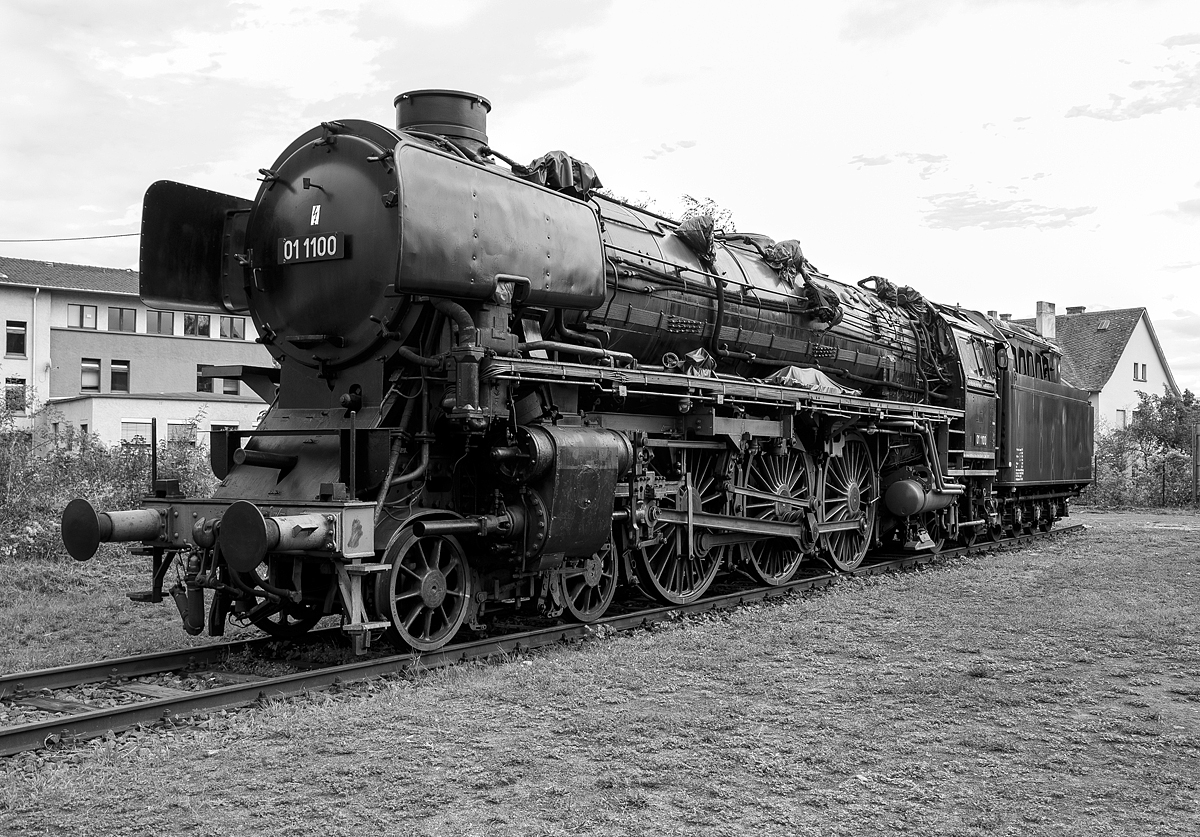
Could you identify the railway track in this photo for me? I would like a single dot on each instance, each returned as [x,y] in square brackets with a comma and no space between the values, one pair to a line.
[210,687]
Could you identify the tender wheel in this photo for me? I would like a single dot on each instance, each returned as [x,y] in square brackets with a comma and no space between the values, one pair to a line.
[668,570]
[282,619]
[1046,517]
[428,591]
[849,491]
[775,560]
[586,588]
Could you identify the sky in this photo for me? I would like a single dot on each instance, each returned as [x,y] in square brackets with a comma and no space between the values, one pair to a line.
[990,153]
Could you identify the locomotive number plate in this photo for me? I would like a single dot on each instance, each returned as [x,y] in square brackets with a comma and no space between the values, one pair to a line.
[312,248]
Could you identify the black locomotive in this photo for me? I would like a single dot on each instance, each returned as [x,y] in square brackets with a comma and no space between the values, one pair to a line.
[497,388]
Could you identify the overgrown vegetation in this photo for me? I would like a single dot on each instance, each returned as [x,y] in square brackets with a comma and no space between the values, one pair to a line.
[42,471]
[1148,463]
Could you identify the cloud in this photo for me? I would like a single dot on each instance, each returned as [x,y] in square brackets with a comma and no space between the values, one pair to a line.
[1179,89]
[1181,266]
[1182,40]
[885,19]
[960,210]
[669,148]
[930,164]
[870,161]
[1188,209]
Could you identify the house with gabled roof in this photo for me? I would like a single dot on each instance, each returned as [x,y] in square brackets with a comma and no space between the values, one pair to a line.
[1113,354]
[79,341]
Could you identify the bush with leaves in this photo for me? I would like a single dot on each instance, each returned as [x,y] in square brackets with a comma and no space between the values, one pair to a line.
[1148,463]
[40,473]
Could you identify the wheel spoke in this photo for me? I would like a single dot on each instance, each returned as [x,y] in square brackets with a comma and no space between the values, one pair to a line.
[850,493]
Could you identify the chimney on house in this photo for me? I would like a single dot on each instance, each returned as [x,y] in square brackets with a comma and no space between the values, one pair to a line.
[1076,309]
[1005,317]
[991,315]
[1045,319]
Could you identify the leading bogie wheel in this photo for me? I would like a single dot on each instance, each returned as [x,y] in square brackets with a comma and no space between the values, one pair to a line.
[848,493]
[281,618]
[427,593]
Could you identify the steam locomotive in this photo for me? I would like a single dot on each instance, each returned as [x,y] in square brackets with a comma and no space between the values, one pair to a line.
[497,388]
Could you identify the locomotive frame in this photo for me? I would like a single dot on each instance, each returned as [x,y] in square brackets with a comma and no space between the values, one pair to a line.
[498,389]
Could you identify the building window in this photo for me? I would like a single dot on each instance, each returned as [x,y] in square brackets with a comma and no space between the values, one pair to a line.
[231,386]
[233,328]
[196,325]
[160,322]
[14,394]
[122,319]
[181,432]
[1122,421]
[135,432]
[202,384]
[1143,371]
[91,374]
[81,316]
[14,343]
[119,376]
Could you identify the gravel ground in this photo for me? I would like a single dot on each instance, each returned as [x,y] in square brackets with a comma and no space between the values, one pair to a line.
[1050,691]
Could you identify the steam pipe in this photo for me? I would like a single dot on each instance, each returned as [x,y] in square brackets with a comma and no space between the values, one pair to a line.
[398,443]
[460,315]
[420,360]
[575,349]
[418,471]
[572,336]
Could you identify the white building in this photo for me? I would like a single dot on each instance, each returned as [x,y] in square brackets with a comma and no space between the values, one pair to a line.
[82,349]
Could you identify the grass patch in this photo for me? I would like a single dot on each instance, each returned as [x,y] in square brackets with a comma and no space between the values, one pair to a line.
[1050,691]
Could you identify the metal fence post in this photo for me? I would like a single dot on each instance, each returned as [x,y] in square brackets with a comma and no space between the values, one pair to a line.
[1196,464]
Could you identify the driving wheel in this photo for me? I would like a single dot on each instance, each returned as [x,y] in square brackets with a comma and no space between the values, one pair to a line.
[849,492]
[788,477]
[670,569]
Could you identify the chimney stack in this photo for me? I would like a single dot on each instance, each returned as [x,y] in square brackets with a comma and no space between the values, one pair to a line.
[991,315]
[1045,319]
[1076,309]
[1005,317]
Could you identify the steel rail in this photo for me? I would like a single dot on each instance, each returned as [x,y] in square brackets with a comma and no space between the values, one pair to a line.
[157,662]
[92,724]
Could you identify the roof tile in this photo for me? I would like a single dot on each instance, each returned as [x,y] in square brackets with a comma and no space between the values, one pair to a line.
[1089,354]
[68,276]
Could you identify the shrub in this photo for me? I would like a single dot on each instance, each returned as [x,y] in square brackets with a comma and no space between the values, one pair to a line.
[1129,473]
[40,474]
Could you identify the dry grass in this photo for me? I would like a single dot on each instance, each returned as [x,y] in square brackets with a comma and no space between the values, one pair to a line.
[54,612]
[1051,691]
